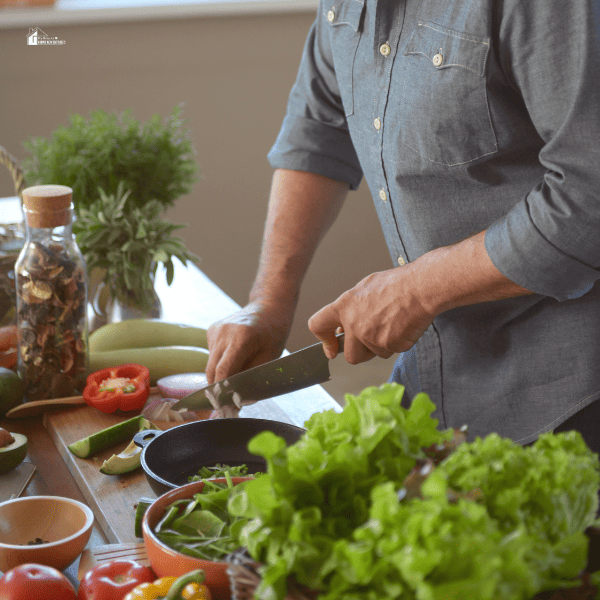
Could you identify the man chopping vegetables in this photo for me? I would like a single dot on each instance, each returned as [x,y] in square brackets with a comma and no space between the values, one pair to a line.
[476,125]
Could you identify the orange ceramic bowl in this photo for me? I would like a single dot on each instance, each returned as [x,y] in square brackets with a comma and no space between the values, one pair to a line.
[63,524]
[167,562]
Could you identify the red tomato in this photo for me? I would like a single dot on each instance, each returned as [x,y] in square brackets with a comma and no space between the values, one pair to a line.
[8,346]
[8,337]
[112,580]
[29,581]
[8,358]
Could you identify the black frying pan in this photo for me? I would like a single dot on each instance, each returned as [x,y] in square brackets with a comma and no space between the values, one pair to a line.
[170,457]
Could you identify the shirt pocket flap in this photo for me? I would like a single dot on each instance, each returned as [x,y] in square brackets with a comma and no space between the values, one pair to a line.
[348,12]
[446,47]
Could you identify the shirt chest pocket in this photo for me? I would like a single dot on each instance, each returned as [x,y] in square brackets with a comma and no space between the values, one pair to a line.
[444,102]
[345,21]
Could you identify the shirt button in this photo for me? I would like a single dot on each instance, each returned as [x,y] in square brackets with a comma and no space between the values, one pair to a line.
[385,49]
[331,16]
[437,60]
[377,123]
[401,261]
[383,195]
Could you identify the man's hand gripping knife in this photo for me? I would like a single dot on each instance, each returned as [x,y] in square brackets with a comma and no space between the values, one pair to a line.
[388,312]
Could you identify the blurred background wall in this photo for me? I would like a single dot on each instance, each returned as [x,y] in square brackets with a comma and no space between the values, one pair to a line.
[234,74]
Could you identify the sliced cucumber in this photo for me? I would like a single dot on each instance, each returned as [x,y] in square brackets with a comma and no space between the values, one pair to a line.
[110,436]
[145,333]
[140,510]
[160,360]
[124,462]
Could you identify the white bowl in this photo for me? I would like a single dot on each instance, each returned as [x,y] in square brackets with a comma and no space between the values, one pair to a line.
[64,525]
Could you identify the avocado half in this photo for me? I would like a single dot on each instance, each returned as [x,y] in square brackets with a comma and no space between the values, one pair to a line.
[14,454]
[125,462]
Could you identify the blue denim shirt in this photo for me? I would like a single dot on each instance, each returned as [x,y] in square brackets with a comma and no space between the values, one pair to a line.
[465,115]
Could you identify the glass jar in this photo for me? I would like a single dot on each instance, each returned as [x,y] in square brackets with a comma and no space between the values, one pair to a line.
[51,291]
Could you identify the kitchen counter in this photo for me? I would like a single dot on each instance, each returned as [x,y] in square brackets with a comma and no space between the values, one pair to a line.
[192,299]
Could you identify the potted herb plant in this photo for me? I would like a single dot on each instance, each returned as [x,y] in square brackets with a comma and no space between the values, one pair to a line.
[155,160]
[128,242]
[124,175]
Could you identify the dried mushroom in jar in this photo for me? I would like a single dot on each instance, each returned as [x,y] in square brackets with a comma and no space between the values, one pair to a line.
[51,298]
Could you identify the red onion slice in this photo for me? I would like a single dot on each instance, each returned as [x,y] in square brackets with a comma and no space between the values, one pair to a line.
[179,386]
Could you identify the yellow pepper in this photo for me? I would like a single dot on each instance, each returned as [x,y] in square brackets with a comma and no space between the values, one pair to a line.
[151,591]
[195,591]
[189,587]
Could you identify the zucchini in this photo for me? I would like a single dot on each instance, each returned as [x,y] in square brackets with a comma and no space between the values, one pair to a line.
[110,436]
[145,333]
[140,509]
[160,360]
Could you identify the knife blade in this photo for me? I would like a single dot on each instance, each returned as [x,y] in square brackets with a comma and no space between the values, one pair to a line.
[290,373]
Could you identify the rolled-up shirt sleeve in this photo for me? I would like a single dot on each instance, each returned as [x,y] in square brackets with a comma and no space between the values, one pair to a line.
[314,136]
[549,242]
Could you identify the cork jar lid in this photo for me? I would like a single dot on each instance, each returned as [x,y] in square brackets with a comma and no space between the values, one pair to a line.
[47,205]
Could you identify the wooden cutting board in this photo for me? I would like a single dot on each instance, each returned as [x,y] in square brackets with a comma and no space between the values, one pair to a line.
[111,497]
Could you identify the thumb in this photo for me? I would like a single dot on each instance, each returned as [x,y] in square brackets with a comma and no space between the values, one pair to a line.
[323,324]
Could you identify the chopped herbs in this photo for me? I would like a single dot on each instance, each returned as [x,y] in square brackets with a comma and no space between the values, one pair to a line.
[220,471]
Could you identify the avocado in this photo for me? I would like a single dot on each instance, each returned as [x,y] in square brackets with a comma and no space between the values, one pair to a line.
[13,454]
[12,389]
[124,462]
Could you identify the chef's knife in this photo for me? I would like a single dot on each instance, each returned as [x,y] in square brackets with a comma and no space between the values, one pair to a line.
[290,373]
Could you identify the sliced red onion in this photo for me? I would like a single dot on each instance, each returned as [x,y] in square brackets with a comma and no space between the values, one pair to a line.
[211,398]
[225,412]
[237,400]
[160,409]
[179,386]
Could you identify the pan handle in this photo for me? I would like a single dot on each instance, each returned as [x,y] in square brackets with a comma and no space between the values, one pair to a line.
[143,438]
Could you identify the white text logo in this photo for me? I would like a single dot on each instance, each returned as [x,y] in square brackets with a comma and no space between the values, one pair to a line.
[36,37]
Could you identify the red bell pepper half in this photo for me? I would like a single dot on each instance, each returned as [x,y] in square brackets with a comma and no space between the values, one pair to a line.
[126,387]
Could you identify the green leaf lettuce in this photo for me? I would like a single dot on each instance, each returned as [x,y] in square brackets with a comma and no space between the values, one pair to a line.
[318,490]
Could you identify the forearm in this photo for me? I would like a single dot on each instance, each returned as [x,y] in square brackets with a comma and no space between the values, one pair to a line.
[302,207]
[387,312]
[459,275]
